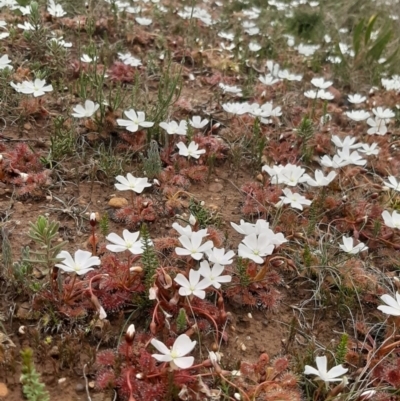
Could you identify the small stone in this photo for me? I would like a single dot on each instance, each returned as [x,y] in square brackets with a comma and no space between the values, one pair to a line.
[213,207]
[54,351]
[79,388]
[27,126]
[215,187]
[91,384]
[3,390]
[62,380]
[118,203]
[260,177]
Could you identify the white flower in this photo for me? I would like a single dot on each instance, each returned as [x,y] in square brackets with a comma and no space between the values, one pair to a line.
[129,242]
[85,58]
[383,114]
[231,89]
[190,151]
[378,126]
[213,275]
[254,47]
[369,150]
[348,142]
[4,35]
[260,227]
[143,21]
[173,128]
[320,94]
[356,98]
[255,247]
[192,245]
[289,175]
[346,157]
[5,62]
[357,115]
[392,221]
[268,79]
[322,372]
[135,120]
[320,179]
[348,246]
[198,123]
[61,42]
[295,200]
[26,26]
[217,255]
[131,183]
[37,87]
[82,263]
[55,10]
[236,108]
[187,231]
[193,286]
[394,305]
[393,183]
[320,83]
[85,111]
[176,356]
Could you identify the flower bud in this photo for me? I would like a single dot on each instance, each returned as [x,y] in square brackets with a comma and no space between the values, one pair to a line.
[92,219]
[130,334]
[24,177]
[366,395]
[136,269]
[153,328]
[237,396]
[192,220]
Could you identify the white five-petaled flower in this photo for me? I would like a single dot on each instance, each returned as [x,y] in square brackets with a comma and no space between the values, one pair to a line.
[392,306]
[129,242]
[393,220]
[218,255]
[356,98]
[348,142]
[378,126]
[82,263]
[255,247]
[37,87]
[322,373]
[320,83]
[192,245]
[85,58]
[173,128]
[187,231]
[393,183]
[55,10]
[135,120]
[5,62]
[198,123]
[348,246]
[131,183]
[320,179]
[295,200]
[176,355]
[369,150]
[289,175]
[260,227]
[383,114]
[193,286]
[357,115]
[213,275]
[190,151]
[85,111]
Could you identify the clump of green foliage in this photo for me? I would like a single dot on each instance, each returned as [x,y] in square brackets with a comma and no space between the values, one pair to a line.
[32,387]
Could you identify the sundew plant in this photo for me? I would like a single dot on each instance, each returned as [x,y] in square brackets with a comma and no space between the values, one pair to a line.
[200,200]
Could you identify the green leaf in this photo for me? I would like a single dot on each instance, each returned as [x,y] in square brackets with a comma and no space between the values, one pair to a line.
[377,49]
[357,36]
[370,27]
